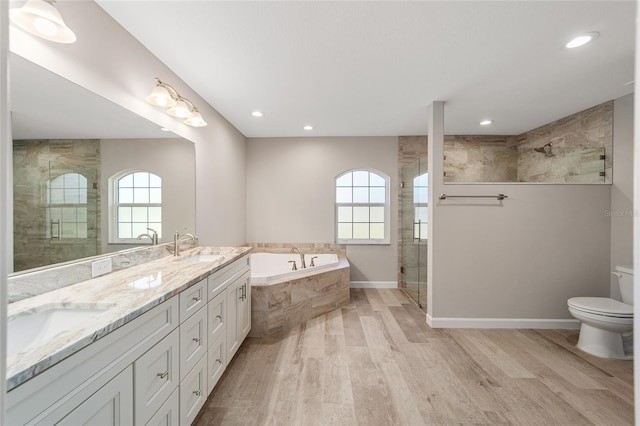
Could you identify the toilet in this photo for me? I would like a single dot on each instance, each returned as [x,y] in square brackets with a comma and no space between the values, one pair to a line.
[604,321]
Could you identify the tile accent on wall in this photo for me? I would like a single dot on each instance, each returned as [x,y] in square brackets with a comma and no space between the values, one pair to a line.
[339,249]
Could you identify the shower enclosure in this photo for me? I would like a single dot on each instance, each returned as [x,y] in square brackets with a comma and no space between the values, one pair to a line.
[414,219]
[56,199]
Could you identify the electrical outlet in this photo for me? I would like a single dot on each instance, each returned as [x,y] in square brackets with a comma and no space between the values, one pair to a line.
[100,267]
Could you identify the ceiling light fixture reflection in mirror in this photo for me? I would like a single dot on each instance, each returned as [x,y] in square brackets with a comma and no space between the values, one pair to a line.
[68,142]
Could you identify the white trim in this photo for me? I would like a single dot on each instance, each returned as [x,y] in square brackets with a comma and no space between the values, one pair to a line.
[567,324]
[373,284]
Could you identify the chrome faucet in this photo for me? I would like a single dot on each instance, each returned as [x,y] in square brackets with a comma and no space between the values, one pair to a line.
[302,262]
[153,236]
[176,241]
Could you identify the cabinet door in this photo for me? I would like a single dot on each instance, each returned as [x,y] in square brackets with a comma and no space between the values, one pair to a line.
[156,376]
[193,341]
[217,322]
[111,405]
[244,310]
[193,392]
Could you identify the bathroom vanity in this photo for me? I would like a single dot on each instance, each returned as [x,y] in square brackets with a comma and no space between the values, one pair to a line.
[145,345]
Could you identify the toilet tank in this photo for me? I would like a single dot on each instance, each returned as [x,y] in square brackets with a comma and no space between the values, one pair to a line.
[625,283]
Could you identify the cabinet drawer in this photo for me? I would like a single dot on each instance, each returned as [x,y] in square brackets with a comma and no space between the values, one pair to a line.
[156,376]
[217,322]
[193,392]
[217,361]
[193,341]
[219,280]
[192,299]
[169,413]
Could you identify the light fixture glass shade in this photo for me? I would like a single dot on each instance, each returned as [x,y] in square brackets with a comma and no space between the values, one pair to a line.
[196,120]
[180,110]
[160,96]
[42,19]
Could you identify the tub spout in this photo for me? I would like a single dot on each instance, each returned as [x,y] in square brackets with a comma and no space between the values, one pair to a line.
[303,265]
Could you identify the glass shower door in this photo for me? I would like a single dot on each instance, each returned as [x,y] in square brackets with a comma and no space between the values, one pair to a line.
[414,212]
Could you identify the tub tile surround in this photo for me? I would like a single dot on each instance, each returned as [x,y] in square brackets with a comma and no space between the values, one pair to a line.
[124,294]
[280,305]
[25,284]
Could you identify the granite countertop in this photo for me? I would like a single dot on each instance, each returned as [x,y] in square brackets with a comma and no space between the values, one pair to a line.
[120,296]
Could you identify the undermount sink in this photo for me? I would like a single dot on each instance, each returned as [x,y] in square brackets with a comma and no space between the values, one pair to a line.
[41,325]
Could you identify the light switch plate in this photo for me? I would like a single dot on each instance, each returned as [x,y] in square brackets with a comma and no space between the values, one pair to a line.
[101,267]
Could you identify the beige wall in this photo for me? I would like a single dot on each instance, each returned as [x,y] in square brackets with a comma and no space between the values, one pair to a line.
[171,159]
[522,258]
[622,188]
[290,194]
[120,69]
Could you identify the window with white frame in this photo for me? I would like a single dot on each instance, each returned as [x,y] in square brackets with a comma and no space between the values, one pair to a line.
[66,208]
[362,207]
[420,206]
[136,204]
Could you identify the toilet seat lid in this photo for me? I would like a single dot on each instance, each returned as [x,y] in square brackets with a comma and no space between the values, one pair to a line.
[602,306]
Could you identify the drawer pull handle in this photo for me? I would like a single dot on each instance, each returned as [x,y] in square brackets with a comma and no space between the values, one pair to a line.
[219,317]
[163,375]
[197,299]
[196,339]
[197,393]
[219,361]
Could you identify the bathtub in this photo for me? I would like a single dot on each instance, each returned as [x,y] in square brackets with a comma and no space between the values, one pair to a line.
[275,266]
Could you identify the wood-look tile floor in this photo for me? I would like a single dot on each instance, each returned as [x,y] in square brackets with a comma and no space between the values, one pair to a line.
[376,362]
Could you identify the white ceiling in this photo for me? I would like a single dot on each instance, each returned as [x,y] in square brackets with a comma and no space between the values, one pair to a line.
[371,68]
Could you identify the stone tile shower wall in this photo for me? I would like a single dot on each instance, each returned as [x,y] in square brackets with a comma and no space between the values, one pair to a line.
[577,141]
[35,162]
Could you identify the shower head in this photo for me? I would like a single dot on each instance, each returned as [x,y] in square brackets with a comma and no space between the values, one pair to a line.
[545,149]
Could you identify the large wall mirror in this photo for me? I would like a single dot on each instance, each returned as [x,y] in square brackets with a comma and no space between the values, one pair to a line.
[72,152]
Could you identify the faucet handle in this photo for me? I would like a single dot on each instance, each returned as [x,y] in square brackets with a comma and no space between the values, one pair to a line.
[312,263]
[295,267]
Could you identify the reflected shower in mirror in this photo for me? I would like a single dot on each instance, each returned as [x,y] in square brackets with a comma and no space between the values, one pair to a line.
[573,149]
[67,144]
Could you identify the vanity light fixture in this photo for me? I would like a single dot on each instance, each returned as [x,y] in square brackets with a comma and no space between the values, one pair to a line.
[164,95]
[42,19]
[307,127]
[486,122]
[257,114]
[582,39]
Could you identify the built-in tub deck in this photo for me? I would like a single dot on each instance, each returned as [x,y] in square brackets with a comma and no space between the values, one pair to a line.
[281,304]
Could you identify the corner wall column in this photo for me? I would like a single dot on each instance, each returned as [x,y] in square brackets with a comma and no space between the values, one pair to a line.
[435,161]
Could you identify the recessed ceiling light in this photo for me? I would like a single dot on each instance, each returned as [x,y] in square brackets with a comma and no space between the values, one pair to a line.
[486,122]
[582,39]
[257,113]
[307,127]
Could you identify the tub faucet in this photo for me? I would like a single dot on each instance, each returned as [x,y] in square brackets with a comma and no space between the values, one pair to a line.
[176,241]
[153,236]
[302,263]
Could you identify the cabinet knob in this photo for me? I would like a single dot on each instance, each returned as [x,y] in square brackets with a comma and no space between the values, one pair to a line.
[219,361]
[196,339]
[163,375]
[197,393]
[219,316]
[197,299]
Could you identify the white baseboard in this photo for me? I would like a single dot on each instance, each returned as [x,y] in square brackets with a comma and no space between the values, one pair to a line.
[373,284]
[568,324]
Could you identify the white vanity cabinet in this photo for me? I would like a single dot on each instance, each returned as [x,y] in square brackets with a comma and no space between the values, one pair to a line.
[157,369]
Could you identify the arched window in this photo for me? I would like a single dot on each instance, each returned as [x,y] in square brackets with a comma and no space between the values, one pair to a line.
[136,204]
[362,207]
[67,207]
